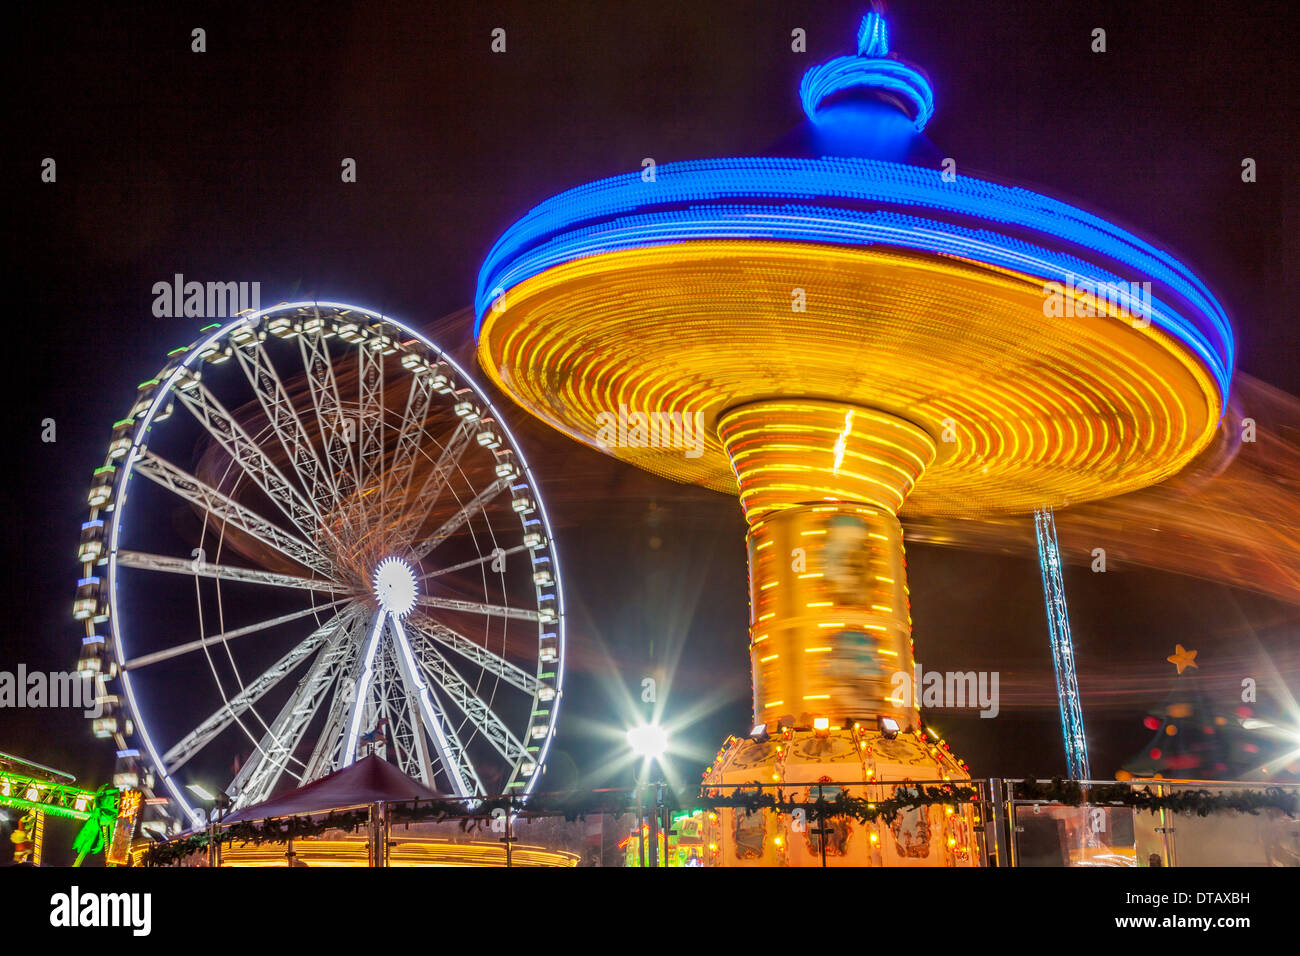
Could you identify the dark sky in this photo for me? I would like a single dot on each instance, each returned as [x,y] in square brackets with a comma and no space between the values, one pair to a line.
[225,165]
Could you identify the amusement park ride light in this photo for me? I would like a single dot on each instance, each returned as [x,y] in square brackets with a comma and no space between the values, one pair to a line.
[871,68]
[649,741]
[943,354]
[901,358]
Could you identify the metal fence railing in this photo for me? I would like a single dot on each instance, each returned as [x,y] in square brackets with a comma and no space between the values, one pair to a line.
[963,823]
[1168,823]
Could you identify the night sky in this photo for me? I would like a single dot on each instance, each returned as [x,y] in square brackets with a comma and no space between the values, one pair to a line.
[225,165]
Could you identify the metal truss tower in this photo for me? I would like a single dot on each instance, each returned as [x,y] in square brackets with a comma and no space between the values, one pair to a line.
[1058,625]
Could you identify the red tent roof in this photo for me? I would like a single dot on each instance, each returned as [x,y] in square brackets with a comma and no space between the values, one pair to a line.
[369,780]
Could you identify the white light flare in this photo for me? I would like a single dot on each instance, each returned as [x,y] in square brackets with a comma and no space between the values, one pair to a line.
[649,741]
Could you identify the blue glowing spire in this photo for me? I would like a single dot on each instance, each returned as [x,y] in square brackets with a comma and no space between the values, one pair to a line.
[873,69]
[873,34]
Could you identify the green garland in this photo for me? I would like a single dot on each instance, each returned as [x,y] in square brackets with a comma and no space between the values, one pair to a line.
[752,798]
[1201,802]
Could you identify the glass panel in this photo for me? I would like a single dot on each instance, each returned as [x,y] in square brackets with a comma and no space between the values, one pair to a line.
[1266,838]
[1075,836]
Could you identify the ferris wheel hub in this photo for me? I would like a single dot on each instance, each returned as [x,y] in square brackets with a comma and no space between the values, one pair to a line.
[395,587]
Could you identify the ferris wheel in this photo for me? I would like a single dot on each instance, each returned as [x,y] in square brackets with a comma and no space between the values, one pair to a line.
[313,539]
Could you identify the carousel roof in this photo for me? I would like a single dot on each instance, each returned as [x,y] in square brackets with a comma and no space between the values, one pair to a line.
[369,780]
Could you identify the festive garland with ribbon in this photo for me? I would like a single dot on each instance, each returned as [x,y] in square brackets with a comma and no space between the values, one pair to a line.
[752,799]
[862,809]
[1201,802]
[275,830]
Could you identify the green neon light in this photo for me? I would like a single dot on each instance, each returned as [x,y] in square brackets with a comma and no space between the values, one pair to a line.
[60,800]
[56,799]
[54,810]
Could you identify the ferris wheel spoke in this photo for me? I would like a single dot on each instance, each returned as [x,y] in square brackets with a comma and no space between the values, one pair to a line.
[246,453]
[258,777]
[228,511]
[501,553]
[403,694]
[451,752]
[314,477]
[452,756]
[493,729]
[327,755]
[476,654]
[461,517]
[390,712]
[209,569]
[410,746]
[435,482]
[251,693]
[365,675]
[144,660]
[409,440]
[329,408]
[476,607]
[370,435]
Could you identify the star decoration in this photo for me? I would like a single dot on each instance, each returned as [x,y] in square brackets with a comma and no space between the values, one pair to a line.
[1182,659]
